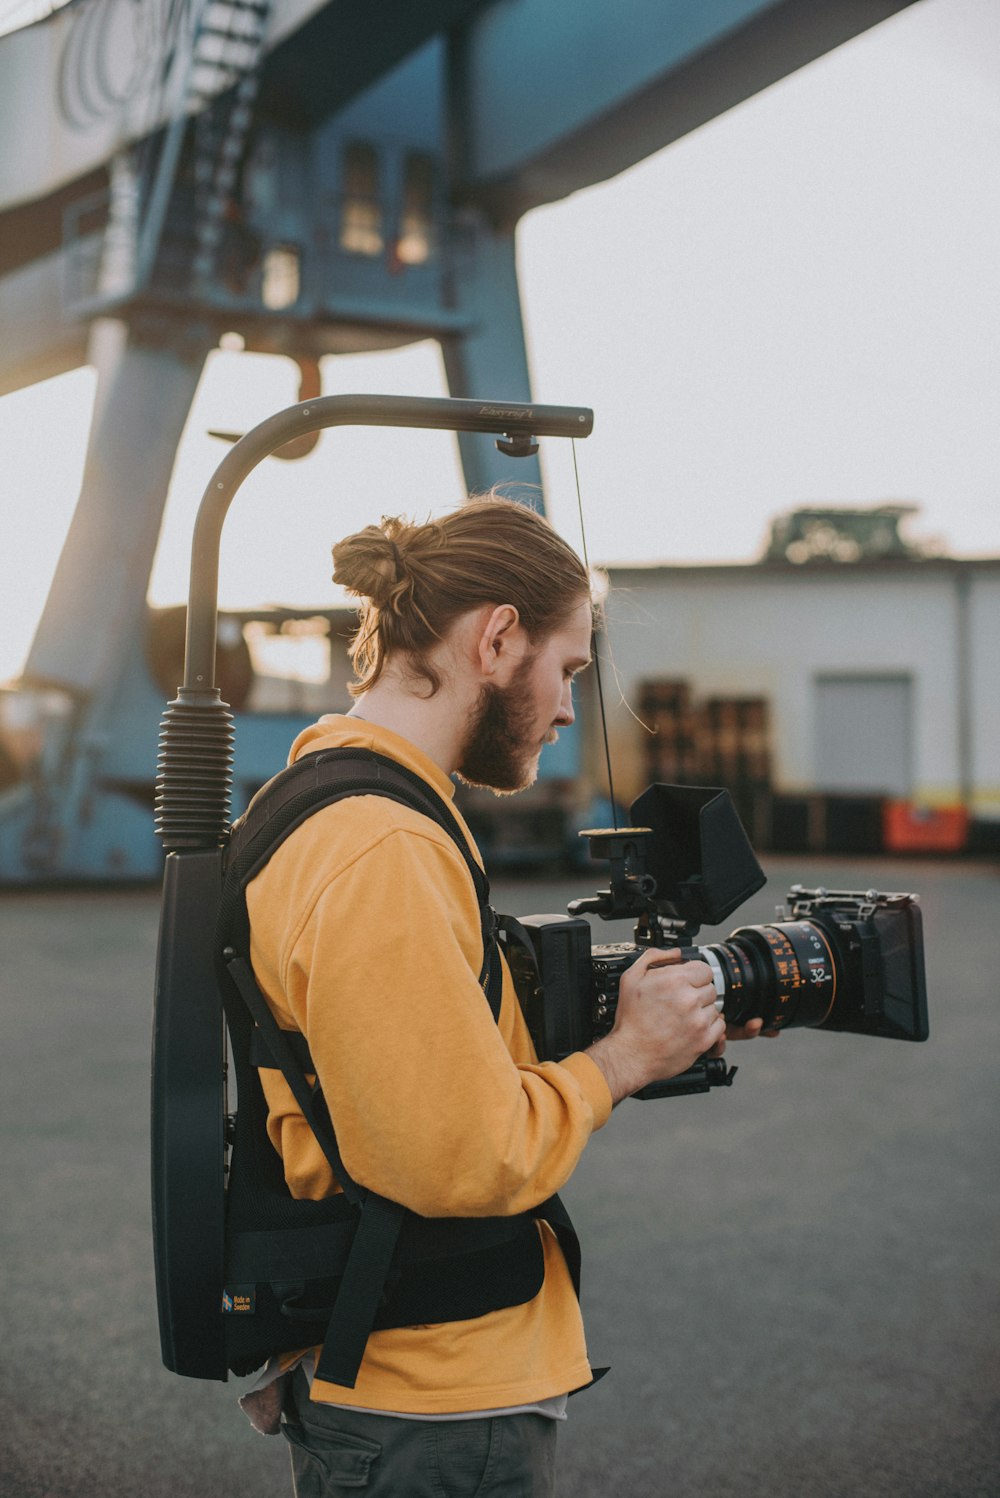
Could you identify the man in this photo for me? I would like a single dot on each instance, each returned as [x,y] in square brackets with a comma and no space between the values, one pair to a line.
[366,936]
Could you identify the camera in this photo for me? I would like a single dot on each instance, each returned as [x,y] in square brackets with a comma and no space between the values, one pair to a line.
[834,959]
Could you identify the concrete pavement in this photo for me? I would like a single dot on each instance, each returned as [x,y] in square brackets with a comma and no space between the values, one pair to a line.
[795,1280]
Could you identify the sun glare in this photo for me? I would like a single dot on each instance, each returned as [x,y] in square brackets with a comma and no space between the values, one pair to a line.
[15,14]
[43,438]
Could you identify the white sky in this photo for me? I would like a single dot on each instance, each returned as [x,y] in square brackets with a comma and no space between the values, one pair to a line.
[796,303]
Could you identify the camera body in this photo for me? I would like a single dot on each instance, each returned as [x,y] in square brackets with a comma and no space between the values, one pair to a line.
[834,960]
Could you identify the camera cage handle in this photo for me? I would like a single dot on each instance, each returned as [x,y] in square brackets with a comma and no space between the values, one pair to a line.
[633,892]
[632,888]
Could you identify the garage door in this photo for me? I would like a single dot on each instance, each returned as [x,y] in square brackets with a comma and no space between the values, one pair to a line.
[864,733]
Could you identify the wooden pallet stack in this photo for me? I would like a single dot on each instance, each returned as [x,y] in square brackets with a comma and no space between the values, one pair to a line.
[671,748]
[723,741]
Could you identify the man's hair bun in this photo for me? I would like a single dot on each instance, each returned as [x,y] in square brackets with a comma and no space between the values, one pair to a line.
[371,564]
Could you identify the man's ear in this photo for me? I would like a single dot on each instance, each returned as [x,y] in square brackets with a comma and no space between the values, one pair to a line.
[501,643]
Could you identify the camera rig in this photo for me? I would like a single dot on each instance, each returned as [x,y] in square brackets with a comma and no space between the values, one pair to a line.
[836,960]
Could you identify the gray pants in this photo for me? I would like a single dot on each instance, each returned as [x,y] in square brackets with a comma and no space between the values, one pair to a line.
[337,1451]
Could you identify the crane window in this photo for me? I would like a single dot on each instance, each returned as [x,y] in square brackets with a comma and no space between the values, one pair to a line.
[281,279]
[361,211]
[416,220]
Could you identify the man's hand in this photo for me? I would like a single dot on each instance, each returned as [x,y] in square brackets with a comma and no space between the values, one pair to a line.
[666,1019]
[750,1031]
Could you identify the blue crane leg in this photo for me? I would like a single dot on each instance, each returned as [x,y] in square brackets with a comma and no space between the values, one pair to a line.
[98,595]
[489,360]
[73,818]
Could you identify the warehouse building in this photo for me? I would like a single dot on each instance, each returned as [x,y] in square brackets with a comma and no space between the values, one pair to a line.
[847,705]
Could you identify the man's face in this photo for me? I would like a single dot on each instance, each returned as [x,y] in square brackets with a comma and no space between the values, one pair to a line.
[513,723]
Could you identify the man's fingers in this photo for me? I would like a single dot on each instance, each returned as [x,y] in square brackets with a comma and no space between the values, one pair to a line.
[750,1031]
[660,957]
[698,974]
[718,1036]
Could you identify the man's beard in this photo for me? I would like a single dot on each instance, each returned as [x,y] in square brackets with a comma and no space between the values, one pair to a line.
[499,751]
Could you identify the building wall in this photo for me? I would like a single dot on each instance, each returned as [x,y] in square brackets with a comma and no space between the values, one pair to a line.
[773,631]
[984,692]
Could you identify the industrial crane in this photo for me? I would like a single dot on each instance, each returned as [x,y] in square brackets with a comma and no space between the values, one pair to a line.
[319,178]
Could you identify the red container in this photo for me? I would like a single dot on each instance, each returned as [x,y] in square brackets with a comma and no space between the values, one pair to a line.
[922,829]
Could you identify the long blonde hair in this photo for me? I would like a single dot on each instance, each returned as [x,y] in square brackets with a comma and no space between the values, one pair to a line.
[415,580]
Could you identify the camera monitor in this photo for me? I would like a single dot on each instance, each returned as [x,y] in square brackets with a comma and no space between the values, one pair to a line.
[699,854]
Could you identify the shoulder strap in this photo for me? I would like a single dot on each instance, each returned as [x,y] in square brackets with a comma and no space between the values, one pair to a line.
[284,1055]
[327,775]
[318,780]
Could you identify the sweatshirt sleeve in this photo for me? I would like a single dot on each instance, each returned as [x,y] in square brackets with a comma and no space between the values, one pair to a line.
[430,1107]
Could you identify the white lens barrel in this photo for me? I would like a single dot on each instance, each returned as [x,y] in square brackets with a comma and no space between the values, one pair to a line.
[718,977]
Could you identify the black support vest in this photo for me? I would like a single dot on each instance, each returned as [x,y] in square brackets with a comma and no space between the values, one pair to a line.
[299,1273]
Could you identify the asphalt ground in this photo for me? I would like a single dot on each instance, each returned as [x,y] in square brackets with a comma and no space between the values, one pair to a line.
[795,1280]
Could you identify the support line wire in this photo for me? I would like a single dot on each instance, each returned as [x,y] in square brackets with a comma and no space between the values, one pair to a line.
[597,653]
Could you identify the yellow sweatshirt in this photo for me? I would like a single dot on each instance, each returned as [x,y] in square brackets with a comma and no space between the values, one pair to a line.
[366,937]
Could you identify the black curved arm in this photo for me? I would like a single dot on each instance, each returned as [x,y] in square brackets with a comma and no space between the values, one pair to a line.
[503,417]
